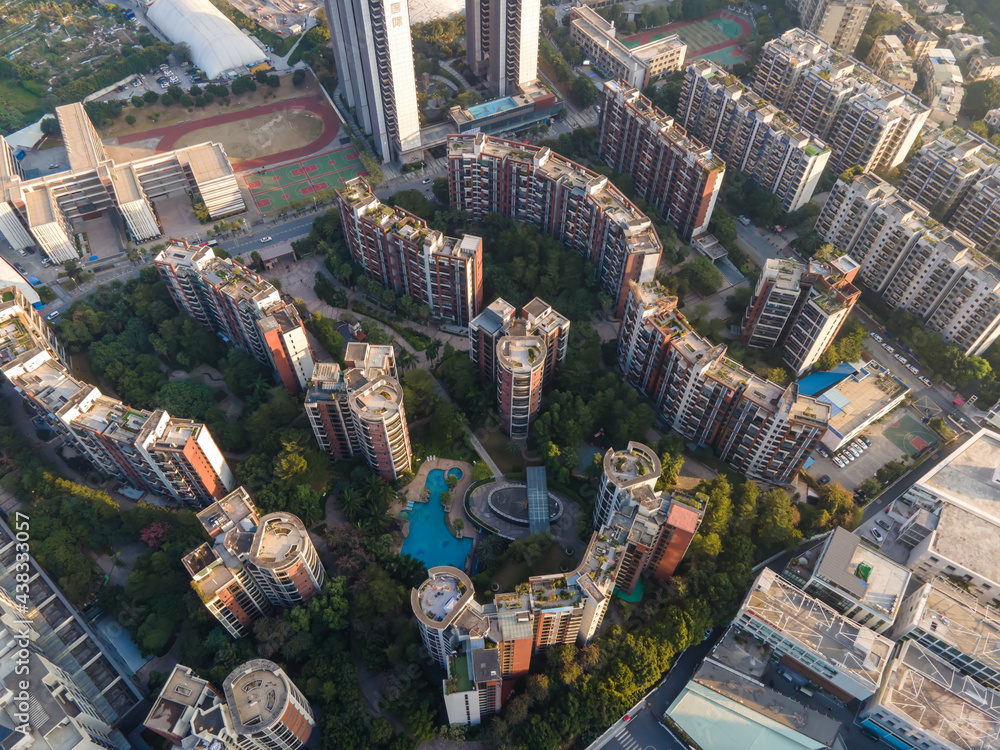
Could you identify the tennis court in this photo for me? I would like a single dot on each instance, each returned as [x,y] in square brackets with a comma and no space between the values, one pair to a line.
[712,37]
[909,435]
[274,189]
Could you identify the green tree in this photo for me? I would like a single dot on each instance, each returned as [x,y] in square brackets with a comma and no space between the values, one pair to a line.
[440,190]
[777,521]
[298,77]
[981,97]
[584,92]
[130,119]
[290,465]
[870,487]
[704,277]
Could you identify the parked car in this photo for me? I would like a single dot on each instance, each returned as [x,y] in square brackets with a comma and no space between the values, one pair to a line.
[876,337]
[888,348]
[52,315]
[825,479]
[839,461]
[846,455]
[925,381]
[823,452]
[20,251]
[878,536]
[913,369]
[853,451]
[883,524]
[866,441]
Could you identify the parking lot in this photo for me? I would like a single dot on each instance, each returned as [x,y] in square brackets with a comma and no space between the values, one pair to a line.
[177,76]
[897,434]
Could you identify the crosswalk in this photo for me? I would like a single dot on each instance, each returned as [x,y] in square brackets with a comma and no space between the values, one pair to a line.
[626,740]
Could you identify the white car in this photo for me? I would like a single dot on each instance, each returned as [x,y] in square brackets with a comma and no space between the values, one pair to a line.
[925,381]
[839,461]
[878,536]
[913,369]
[846,455]
[265,239]
[854,451]
[876,337]
[52,315]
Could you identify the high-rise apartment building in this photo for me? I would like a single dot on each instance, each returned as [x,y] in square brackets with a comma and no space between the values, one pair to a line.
[950,522]
[923,702]
[844,658]
[852,579]
[799,308]
[22,327]
[255,564]
[839,23]
[889,60]
[374,54]
[147,450]
[945,86]
[241,307]
[750,134]
[978,216]
[955,627]
[520,374]
[521,355]
[358,410]
[863,119]
[399,251]
[914,262]
[81,684]
[502,42]
[258,708]
[42,707]
[654,528]
[669,170]
[581,208]
[43,209]
[759,428]
[639,65]
[944,170]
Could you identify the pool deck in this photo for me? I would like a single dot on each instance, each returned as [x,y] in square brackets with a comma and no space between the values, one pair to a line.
[413,489]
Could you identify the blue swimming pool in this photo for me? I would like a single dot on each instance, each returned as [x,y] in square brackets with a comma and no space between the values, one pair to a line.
[428,539]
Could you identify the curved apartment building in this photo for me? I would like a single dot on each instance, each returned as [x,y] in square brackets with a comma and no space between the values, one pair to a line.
[253,565]
[624,473]
[377,407]
[437,604]
[284,561]
[520,364]
[266,710]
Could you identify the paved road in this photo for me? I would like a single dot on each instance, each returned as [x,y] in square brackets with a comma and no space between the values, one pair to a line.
[643,730]
[282,230]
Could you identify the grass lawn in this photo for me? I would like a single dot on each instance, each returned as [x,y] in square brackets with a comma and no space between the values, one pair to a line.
[495,443]
[423,445]
[513,573]
[21,100]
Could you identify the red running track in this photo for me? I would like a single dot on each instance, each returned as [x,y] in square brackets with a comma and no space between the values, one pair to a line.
[317,105]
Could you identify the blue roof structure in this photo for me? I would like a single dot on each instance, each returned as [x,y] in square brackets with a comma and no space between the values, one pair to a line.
[538,499]
[818,382]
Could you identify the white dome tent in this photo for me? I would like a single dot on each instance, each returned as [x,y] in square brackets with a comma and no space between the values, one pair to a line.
[217,44]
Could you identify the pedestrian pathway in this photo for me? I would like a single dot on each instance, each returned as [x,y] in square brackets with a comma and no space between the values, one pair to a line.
[459,76]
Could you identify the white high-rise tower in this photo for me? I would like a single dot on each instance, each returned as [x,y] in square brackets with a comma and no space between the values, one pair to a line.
[374,56]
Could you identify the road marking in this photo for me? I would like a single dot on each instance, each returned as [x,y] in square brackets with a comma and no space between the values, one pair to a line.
[626,740]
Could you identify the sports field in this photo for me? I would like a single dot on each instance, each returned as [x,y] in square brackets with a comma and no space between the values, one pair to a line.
[909,435]
[274,189]
[712,37]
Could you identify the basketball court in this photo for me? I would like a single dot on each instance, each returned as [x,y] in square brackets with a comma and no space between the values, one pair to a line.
[712,38]
[909,435]
[274,189]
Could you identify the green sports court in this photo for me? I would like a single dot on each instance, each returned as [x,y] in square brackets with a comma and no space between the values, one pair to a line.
[909,435]
[274,188]
[712,37]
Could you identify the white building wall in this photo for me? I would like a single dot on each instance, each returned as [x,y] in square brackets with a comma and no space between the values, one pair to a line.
[12,229]
[55,242]
[297,347]
[402,73]
[140,220]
